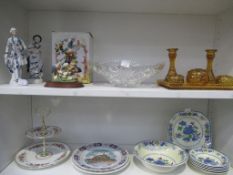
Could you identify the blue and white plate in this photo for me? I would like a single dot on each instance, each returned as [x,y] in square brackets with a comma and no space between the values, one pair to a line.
[225,168]
[100,158]
[209,160]
[160,156]
[207,171]
[190,130]
[197,167]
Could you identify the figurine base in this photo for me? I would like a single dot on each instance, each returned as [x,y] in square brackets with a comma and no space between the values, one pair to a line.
[191,86]
[64,84]
[35,81]
[20,82]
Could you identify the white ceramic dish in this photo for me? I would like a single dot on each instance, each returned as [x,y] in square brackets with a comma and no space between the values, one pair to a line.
[160,156]
[100,158]
[205,171]
[102,173]
[224,170]
[209,160]
[190,130]
[31,158]
[208,167]
[209,157]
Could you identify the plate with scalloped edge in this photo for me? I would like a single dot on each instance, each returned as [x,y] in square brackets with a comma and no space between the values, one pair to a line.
[100,158]
[190,130]
[32,158]
[38,133]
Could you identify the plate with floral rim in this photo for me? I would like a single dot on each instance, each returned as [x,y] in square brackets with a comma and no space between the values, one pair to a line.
[190,130]
[160,156]
[205,171]
[37,133]
[193,164]
[100,158]
[209,158]
[32,158]
[102,173]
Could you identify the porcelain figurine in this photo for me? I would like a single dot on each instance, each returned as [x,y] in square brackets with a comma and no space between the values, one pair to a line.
[34,60]
[15,58]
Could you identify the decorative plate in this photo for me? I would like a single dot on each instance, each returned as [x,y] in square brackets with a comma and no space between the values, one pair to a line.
[101,172]
[209,158]
[160,156]
[190,130]
[207,171]
[100,158]
[31,157]
[202,166]
[37,133]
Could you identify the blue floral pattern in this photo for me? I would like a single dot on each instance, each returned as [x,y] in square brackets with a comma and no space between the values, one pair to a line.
[209,157]
[159,161]
[208,161]
[190,130]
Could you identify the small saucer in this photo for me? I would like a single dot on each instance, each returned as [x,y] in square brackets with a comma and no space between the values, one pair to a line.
[37,133]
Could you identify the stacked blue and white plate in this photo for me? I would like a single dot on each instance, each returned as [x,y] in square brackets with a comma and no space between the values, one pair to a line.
[209,161]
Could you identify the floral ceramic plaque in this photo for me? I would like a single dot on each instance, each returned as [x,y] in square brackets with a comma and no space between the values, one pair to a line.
[71,56]
[190,130]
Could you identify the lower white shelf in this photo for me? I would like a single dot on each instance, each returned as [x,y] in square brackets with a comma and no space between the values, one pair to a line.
[135,168]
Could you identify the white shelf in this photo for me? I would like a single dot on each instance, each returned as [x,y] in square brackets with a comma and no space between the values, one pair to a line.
[135,168]
[105,90]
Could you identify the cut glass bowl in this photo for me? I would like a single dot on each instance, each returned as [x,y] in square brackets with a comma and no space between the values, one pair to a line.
[126,73]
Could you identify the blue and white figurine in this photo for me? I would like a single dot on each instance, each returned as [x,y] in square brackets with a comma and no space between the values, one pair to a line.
[34,60]
[15,58]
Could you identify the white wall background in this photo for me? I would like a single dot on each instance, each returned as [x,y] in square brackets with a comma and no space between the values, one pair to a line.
[15,115]
[223,126]
[15,119]
[113,120]
[141,37]
[11,14]
[222,109]
[224,43]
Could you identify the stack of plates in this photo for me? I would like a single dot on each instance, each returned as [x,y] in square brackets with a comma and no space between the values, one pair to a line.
[100,158]
[209,161]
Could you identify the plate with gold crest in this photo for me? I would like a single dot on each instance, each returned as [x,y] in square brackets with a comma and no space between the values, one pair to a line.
[100,158]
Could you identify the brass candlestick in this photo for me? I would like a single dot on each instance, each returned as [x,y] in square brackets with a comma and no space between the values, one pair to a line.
[210,54]
[172,75]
